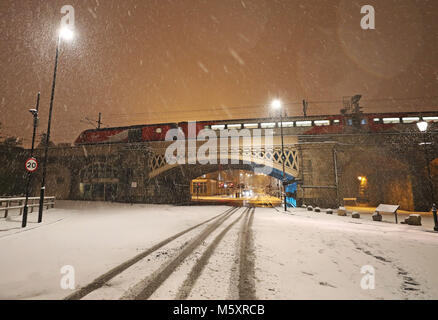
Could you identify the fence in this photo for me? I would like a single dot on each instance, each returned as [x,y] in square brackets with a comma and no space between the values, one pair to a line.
[7,204]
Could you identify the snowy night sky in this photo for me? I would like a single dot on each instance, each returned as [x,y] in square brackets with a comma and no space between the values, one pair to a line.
[151,61]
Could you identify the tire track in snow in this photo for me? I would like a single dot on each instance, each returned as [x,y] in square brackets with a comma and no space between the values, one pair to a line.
[148,286]
[101,280]
[246,285]
[197,269]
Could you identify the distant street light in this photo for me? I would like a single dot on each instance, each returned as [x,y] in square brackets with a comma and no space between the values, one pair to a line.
[34,113]
[65,33]
[422,126]
[277,105]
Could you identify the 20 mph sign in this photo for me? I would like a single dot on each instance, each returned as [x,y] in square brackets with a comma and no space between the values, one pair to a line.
[31,164]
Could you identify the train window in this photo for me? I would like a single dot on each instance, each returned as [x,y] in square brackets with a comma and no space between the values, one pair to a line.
[218,127]
[410,119]
[321,123]
[349,122]
[363,121]
[234,126]
[391,120]
[304,123]
[286,124]
[336,122]
[158,130]
[207,127]
[251,125]
[268,125]
[376,120]
[430,119]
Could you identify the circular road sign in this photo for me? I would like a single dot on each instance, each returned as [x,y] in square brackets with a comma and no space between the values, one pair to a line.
[31,164]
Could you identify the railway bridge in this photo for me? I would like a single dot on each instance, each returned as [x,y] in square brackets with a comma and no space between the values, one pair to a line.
[377,168]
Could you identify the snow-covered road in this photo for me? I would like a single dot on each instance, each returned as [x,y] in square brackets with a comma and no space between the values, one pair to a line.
[213,252]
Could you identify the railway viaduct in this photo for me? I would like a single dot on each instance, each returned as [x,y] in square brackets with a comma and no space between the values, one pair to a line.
[392,167]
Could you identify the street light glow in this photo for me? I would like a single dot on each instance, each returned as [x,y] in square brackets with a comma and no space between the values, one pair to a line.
[66,33]
[276,104]
[422,126]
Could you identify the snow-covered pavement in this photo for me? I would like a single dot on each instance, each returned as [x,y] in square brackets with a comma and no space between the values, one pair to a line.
[213,252]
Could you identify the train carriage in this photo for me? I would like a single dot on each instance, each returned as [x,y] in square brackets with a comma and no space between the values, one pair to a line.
[311,125]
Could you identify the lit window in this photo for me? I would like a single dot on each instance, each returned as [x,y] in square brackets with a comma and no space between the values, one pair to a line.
[267,125]
[207,127]
[349,122]
[411,119]
[304,123]
[320,123]
[376,120]
[430,119]
[336,122]
[158,130]
[234,126]
[363,121]
[286,124]
[251,125]
[218,127]
[391,120]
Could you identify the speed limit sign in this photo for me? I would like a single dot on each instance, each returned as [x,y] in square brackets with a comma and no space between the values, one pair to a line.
[31,164]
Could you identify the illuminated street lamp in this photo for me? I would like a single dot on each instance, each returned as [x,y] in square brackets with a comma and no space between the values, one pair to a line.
[277,105]
[422,126]
[65,33]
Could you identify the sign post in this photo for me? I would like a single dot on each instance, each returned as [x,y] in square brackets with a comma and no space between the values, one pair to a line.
[31,163]
[31,166]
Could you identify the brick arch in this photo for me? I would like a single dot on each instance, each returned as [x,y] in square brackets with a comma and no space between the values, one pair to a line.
[391,183]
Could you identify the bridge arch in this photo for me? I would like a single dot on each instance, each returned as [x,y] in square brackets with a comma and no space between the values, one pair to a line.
[98,181]
[262,160]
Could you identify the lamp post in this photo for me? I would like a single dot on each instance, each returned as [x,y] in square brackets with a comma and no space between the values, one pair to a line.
[29,174]
[65,33]
[277,105]
[422,126]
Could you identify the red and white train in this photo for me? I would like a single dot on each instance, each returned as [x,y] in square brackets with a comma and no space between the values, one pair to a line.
[311,125]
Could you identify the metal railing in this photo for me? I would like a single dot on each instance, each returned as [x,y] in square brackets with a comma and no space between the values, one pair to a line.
[7,204]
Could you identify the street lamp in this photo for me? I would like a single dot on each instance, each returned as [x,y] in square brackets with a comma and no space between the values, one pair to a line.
[422,126]
[277,105]
[65,33]
[34,113]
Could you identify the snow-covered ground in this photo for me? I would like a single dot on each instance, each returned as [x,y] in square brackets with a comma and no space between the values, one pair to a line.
[93,237]
[299,255]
